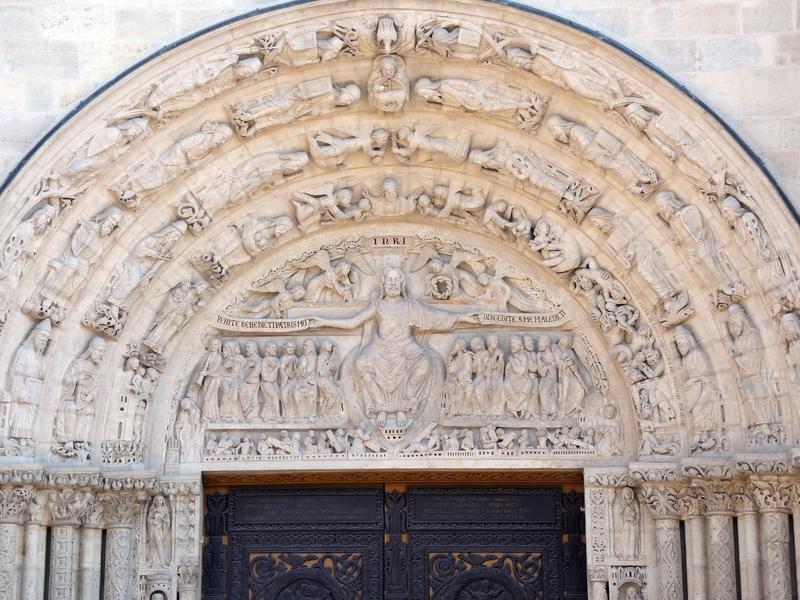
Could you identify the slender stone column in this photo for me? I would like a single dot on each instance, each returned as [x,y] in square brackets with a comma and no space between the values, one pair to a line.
[663,502]
[772,498]
[188,578]
[796,526]
[692,507]
[721,554]
[66,510]
[35,549]
[598,583]
[749,545]
[91,552]
[122,512]
[13,503]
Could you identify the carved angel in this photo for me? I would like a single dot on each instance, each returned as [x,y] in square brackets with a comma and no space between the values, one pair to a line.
[507,221]
[407,141]
[445,280]
[559,249]
[461,39]
[508,290]
[309,43]
[388,84]
[325,205]
[455,200]
[181,303]
[609,299]
[331,149]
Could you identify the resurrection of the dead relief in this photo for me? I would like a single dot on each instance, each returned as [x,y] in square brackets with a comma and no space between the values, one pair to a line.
[399,238]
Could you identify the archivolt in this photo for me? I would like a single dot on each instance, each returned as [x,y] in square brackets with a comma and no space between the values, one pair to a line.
[671,246]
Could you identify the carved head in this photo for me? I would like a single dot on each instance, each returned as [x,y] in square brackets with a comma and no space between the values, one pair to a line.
[40,336]
[347,94]
[515,344]
[738,322]
[790,327]
[394,283]
[668,204]
[476,344]
[271,349]
[96,350]
[428,90]
[732,210]
[326,346]
[214,344]
[289,348]
[250,348]
[527,341]
[544,343]
[308,347]
[379,137]
[492,342]
[343,197]
[560,128]
[297,293]
[684,340]
[109,220]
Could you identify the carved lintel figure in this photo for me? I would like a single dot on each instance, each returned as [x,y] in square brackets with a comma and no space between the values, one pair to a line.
[491,97]
[240,243]
[182,301]
[329,150]
[75,414]
[516,384]
[199,206]
[393,348]
[703,396]
[388,84]
[131,277]
[752,374]
[559,249]
[410,140]
[690,231]
[66,273]
[26,383]
[608,153]
[313,97]
[571,389]
[159,533]
[575,197]
[17,252]
[558,64]
[183,156]
[184,89]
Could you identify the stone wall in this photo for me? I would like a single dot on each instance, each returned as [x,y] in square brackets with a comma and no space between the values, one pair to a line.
[741,57]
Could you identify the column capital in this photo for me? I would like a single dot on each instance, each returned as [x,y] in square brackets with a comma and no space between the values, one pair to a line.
[123,510]
[13,504]
[68,506]
[662,500]
[691,503]
[743,501]
[772,495]
[718,497]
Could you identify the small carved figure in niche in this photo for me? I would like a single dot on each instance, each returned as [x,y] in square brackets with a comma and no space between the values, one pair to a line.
[208,379]
[305,390]
[430,442]
[487,438]
[651,443]
[330,394]
[523,440]
[608,153]
[452,441]
[310,444]
[517,383]
[269,391]
[489,96]
[246,447]
[76,410]
[182,302]
[460,398]
[633,593]
[559,250]
[607,432]
[188,429]
[67,273]
[159,533]
[467,440]
[26,381]
[571,389]
[249,380]
[558,65]
[690,231]
[362,440]
[264,448]
[183,156]
[309,98]
[753,375]
[388,84]
[626,524]
[407,141]
[703,397]
[287,379]
[18,250]
[533,409]
[790,330]
[494,376]
[395,350]
[329,150]
[480,380]
[230,374]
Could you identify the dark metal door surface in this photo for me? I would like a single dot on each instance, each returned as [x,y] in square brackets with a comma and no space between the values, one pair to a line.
[421,543]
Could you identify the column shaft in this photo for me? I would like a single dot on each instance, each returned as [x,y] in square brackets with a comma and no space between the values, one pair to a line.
[119,542]
[696,558]
[90,559]
[668,557]
[749,557]
[32,569]
[775,555]
[8,561]
[63,562]
[721,557]
[598,590]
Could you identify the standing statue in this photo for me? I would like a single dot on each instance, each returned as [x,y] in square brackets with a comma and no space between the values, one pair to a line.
[182,302]
[208,379]
[159,533]
[703,397]
[391,372]
[626,524]
[517,383]
[269,392]
[26,381]
[76,410]
[188,430]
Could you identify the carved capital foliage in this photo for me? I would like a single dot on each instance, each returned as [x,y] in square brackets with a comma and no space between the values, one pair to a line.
[123,510]
[188,576]
[743,501]
[772,494]
[655,472]
[21,475]
[717,496]
[13,503]
[69,506]
[691,502]
[597,573]
[662,500]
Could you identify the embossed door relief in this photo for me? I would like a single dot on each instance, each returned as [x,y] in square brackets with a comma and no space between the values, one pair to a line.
[369,543]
